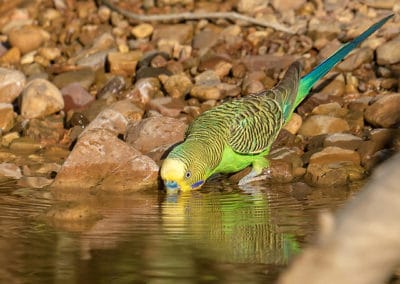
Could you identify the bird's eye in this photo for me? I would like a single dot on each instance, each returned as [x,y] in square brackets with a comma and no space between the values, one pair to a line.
[188,174]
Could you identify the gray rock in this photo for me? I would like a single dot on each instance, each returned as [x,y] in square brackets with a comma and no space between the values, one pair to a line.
[40,98]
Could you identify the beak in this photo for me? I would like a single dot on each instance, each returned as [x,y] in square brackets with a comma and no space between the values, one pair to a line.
[171,185]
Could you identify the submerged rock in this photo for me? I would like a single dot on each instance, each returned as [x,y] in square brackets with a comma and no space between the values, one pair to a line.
[10,170]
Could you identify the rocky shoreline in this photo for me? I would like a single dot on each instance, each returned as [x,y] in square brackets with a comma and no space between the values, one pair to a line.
[89,99]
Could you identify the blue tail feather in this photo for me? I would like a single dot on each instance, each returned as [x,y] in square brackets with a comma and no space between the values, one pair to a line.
[308,81]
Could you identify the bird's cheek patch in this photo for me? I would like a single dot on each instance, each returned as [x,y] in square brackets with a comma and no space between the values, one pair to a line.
[197,184]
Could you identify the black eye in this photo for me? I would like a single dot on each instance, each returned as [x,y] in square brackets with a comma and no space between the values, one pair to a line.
[188,174]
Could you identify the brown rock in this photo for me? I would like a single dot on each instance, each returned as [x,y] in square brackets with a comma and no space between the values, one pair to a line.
[355,60]
[34,182]
[7,117]
[12,56]
[27,38]
[40,98]
[10,170]
[75,97]
[331,109]
[385,111]
[343,140]
[12,82]
[220,65]
[145,90]
[330,155]
[336,87]
[167,106]
[204,93]
[177,85]
[124,63]
[142,30]
[180,33]
[287,5]
[294,123]
[85,77]
[112,87]
[151,133]
[100,160]
[250,6]
[323,124]
[46,131]
[323,28]
[389,52]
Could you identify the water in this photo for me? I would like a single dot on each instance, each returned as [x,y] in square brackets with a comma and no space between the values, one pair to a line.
[221,234]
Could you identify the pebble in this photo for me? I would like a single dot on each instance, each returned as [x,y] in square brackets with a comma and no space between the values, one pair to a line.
[287,5]
[112,87]
[27,38]
[356,59]
[7,138]
[75,97]
[167,106]
[343,140]
[12,82]
[385,111]
[10,170]
[250,6]
[12,56]
[25,145]
[85,77]
[330,109]
[151,133]
[179,33]
[41,98]
[177,86]
[389,52]
[145,90]
[332,154]
[34,182]
[124,63]
[323,124]
[204,92]
[142,30]
[7,117]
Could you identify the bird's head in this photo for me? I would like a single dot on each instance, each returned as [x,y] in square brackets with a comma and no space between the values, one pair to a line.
[177,175]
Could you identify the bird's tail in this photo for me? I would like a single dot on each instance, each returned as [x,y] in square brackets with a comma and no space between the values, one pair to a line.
[308,81]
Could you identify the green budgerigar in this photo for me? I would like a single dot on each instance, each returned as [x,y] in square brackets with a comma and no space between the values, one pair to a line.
[239,133]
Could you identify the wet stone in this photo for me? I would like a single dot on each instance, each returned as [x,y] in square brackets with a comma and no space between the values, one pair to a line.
[75,97]
[40,98]
[294,123]
[34,182]
[85,77]
[336,87]
[154,132]
[385,111]
[331,109]
[46,131]
[112,87]
[102,161]
[323,124]
[332,154]
[7,117]
[12,82]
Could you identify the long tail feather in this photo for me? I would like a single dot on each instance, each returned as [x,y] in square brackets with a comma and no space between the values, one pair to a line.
[308,81]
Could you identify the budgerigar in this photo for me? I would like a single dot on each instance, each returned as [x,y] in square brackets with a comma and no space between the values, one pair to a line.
[239,133]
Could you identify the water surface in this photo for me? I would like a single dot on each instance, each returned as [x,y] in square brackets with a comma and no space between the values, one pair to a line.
[220,234]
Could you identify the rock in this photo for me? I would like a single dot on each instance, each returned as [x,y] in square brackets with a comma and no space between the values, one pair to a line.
[142,30]
[9,170]
[75,97]
[100,160]
[25,145]
[124,63]
[204,92]
[385,111]
[8,138]
[108,120]
[294,123]
[46,131]
[272,64]
[149,72]
[323,124]
[287,5]
[380,4]
[40,98]
[331,155]
[95,60]
[330,109]
[12,56]
[336,87]
[334,174]
[34,182]
[145,90]
[85,77]
[356,59]
[112,87]
[323,28]
[179,33]
[204,40]
[389,52]
[27,38]
[167,106]
[7,117]
[251,6]
[176,86]
[220,65]
[151,133]
[343,140]
[12,82]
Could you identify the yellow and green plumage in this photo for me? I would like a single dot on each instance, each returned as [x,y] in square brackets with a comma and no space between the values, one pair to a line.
[239,133]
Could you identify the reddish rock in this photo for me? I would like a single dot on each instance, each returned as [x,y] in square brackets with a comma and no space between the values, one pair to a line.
[151,133]
[167,106]
[100,160]
[385,111]
[75,97]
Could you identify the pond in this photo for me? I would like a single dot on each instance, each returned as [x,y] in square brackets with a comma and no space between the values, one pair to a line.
[220,234]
